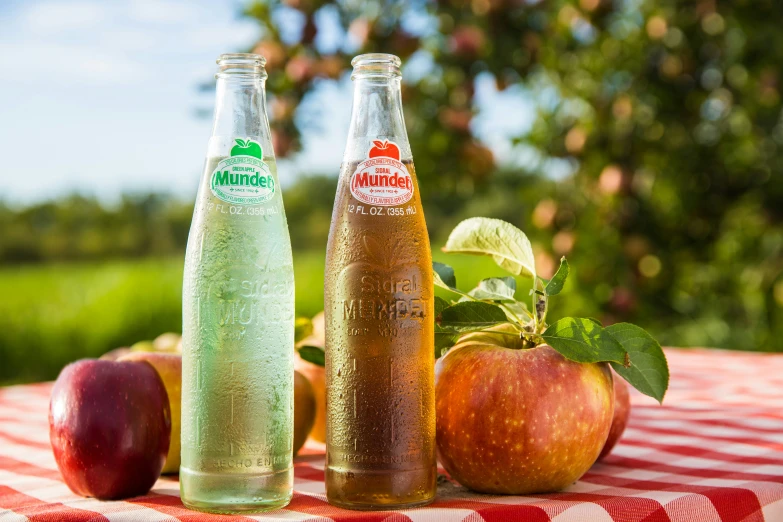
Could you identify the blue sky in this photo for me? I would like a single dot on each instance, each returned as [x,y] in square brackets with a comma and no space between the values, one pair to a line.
[101,97]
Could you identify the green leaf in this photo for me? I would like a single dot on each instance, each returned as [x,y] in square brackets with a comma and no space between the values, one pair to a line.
[447,336]
[508,246]
[440,305]
[555,285]
[444,275]
[495,289]
[517,308]
[313,354]
[444,339]
[649,371]
[240,142]
[471,315]
[582,340]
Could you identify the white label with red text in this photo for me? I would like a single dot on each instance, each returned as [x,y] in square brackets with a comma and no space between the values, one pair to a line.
[382,179]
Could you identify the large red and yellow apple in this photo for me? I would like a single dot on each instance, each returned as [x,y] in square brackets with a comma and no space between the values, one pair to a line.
[109,426]
[622,410]
[517,420]
[169,368]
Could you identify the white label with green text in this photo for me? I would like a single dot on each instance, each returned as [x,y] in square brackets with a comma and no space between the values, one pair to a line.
[243,178]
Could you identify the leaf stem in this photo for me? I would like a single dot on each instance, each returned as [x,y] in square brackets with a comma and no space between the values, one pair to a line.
[493,332]
[540,304]
[535,305]
[460,292]
[545,300]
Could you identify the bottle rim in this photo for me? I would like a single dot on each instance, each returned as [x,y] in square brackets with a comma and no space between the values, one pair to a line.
[376,65]
[380,58]
[240,64]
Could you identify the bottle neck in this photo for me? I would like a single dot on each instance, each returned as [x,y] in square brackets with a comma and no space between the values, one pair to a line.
[376,115]
[240,107]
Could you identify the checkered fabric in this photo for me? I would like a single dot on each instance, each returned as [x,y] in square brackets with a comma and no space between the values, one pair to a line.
[713,451]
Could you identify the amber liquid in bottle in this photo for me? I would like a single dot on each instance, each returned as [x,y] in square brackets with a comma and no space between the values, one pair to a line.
[379,329]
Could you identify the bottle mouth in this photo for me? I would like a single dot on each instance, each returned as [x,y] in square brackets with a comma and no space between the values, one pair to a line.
[376,65]
[241,64]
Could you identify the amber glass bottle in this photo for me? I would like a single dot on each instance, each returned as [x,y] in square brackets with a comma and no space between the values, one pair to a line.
[378,308]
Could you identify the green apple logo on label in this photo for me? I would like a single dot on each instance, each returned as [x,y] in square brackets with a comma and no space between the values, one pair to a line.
[243,178]
[246,147]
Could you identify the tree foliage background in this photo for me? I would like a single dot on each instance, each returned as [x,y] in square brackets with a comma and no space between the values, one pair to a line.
[654,161]
[667,115]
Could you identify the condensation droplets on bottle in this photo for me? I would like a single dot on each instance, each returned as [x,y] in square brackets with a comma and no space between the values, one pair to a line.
[378,310]
[238,312]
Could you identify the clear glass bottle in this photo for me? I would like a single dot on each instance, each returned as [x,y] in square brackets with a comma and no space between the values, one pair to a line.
[238,312]
[380,441]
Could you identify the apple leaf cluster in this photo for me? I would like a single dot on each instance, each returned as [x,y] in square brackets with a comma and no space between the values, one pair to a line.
[633,353]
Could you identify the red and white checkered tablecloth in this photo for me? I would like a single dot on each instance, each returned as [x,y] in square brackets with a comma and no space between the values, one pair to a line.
[714,451]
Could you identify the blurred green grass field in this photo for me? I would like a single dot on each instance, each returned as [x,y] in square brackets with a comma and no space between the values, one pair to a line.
[53,314]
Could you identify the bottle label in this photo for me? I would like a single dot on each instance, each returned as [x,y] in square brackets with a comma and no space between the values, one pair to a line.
[382,179]
[243,178]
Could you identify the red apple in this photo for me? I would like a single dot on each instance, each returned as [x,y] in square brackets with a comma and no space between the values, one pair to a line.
[385,148]
[519,421]
[109,425]
[169,368]
[622,410]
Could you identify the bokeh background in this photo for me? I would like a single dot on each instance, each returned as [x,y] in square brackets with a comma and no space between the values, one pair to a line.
[643,139]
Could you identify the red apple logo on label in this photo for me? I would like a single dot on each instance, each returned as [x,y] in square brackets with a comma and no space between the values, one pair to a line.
[385,148]
[382,179]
